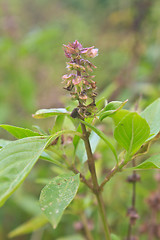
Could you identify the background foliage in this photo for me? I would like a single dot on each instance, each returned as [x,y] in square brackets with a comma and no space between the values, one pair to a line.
[32,63]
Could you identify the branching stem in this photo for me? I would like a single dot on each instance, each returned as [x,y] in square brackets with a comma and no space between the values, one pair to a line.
[96,188]
[116,169]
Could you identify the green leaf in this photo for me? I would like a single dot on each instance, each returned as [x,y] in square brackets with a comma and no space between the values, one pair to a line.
[30,226]
[4,142]
[132,132]
[72,237]
[18,132]
[119,115]
[150,163]
[152,116]
[111,108]
[102,136]
[45,113]
[114,237]
[114,105]
[16,161]
[57,195]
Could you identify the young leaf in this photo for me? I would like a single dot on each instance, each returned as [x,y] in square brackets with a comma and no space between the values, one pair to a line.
[150,163]
[152,116]
[102,136]
[16,161]
[28,227]
[57,195]
[132,132]
[18,132]
[45,113]
[111,108]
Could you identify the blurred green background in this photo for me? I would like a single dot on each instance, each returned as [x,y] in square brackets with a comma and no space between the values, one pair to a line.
[127,33]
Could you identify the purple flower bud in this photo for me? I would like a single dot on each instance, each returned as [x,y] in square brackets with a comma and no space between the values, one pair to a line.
[77,80]
[90,52]
[68,76]
[93,53]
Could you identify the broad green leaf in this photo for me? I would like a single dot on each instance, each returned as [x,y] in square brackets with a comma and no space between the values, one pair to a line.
[111,108]
[72,237]
[80,150]
[45,113]
[119,115]
[152,116]
[132,132]
[114,237]
[18,132]
[150,163]
[16,161]
[57,195]
[102,136]
[4,142]
[28,227]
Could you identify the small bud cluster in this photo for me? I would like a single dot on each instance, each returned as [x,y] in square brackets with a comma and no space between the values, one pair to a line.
[132,212]
[78,81]
[133,215]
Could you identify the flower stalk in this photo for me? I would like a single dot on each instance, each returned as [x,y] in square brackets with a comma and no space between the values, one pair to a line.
[82,88]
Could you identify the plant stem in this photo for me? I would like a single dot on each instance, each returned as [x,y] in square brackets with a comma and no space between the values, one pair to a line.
[71,167]
[86,228]
[96,188]
[91,163]
[82,177]
[103,216]
[131,223]
[116,169]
